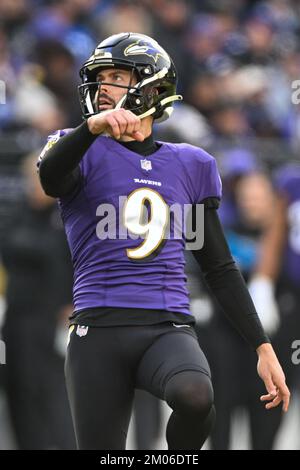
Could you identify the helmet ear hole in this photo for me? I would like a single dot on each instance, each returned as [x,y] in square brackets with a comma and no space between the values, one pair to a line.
[146,71]
[150,94]
[134,100]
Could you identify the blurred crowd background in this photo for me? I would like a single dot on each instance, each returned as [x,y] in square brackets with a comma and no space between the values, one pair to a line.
[237,61]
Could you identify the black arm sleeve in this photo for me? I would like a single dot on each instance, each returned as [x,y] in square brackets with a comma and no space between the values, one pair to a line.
[59,169]
[226,282]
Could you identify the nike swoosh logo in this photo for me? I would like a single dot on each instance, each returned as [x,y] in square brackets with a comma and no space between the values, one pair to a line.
[181,326]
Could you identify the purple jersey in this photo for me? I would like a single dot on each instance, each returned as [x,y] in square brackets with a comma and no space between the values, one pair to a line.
[119,271]
[287,181]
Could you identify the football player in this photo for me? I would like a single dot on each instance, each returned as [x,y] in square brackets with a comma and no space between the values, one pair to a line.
[132,327]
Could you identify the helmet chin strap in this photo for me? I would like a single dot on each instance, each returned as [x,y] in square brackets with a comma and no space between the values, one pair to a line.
[149,112]
[169,99]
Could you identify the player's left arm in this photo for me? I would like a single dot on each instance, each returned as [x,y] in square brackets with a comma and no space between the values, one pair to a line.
[228,286]
[271,373]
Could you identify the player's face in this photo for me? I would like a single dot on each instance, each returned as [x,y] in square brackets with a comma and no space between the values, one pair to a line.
[109,95]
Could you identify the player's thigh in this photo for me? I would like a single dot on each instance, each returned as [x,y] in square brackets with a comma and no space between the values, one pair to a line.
[174,350]
[100,389]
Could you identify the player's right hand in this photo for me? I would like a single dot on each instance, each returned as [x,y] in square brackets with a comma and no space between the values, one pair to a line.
[117,123]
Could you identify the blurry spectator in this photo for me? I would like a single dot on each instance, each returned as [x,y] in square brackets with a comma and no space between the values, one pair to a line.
[249,84]
[170,20]
[67,21]
[123,16]
[204,93]
[260,35]
[277,275]
[185,123]
[254,200]
[230,125]
[57,74]
[233,164]
[204,38]
[59,16]
[8,75]
[36,105]
[14,18]
[39,279]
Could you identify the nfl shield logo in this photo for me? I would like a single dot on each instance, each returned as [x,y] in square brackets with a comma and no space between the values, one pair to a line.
[146,165]
[82,330]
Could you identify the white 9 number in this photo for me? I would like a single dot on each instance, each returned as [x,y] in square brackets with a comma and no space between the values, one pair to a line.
[154,229]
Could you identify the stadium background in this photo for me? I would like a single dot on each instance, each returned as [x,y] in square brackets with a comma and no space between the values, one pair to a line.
[237,61]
